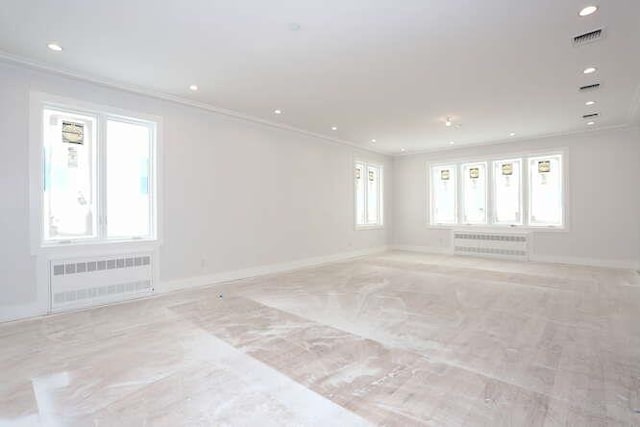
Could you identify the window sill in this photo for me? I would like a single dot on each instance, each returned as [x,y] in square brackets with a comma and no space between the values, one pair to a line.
[369,227]
[501,228]
[94,247]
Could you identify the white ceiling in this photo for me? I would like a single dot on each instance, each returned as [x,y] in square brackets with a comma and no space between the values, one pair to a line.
[385,69]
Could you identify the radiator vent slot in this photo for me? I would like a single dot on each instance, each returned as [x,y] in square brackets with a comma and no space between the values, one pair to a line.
[590,37]
[590,87]
[590,116]
[83,282]
[487,244]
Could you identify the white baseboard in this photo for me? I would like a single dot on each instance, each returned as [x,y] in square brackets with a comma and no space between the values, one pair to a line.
[34,309]
[423,249]
[211,279]
[592,262]
[23,311]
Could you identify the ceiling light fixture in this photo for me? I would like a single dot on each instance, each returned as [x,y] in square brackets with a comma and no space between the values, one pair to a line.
[512,134]
[589,102]
[447,122]
[193,87]
[334,128]
[277,111]
[373,141]
[591,123]
[590,70]
[451,142]
[403,149]
[55,47]
[588,10]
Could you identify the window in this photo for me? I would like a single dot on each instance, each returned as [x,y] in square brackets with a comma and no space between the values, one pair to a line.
[98,172]
[368,189]
[500,192]
[474,190]
[545,191]
[444,191]
[507,192]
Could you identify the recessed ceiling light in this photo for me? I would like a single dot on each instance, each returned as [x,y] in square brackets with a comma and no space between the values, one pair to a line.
[277,111]
[588,10]
[447,122]
[590,70]
[591,123]
[512,134]
[403,149]
[589,102]
[373,141]
[452,142]
[193,87]
[334,128]
[55,47]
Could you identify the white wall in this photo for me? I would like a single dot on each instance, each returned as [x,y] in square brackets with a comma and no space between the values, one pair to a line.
[604,205]
[237,194]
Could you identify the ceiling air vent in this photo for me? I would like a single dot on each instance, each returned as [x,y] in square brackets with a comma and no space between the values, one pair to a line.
[590,116]
[590,87]
[590,37]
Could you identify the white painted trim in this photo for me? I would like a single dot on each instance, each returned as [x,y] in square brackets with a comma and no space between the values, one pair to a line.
[423,249]
[138,90]
[41,306]
[40,100]
[590,262]
[212,279]
[533,138]
[550,259]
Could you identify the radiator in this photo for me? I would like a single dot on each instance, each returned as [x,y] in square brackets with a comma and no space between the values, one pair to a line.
[83,282]
[491,244]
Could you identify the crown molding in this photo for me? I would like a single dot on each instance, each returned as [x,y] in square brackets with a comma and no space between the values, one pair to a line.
[513,140]
[139,90]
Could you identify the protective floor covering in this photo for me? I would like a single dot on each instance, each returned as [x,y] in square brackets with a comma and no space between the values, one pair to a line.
[393,339]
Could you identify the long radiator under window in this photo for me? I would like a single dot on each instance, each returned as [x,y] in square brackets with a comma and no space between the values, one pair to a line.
[487,244]
[82,282]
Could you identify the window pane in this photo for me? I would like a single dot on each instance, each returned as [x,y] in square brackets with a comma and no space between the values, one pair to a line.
[373,194]
[360,189]
[545,190]
[443,199]
[69,176]
[128,187]
[507,177]
[474,179]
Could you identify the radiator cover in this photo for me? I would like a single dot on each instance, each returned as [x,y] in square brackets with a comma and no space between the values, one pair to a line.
[97,280]
[492,244]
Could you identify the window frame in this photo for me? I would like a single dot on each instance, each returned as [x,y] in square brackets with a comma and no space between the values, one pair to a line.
[524,156]
[39,102]
[365,166]
[432,207]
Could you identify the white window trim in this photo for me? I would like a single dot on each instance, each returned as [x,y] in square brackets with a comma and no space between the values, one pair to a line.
[431,209]
[37,103]
[380,225]
[489,158]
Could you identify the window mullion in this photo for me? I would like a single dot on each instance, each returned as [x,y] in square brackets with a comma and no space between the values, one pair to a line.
[102,175]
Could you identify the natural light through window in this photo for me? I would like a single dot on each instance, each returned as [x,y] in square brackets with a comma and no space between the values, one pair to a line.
[507,194]
[474,190]
[512,192]
[368,194]
[444,189]
[98,175]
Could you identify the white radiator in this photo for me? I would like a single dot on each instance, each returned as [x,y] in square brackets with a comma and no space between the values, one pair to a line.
[82,282]
[491,244]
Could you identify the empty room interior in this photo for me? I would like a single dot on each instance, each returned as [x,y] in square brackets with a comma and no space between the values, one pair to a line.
[320,213]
